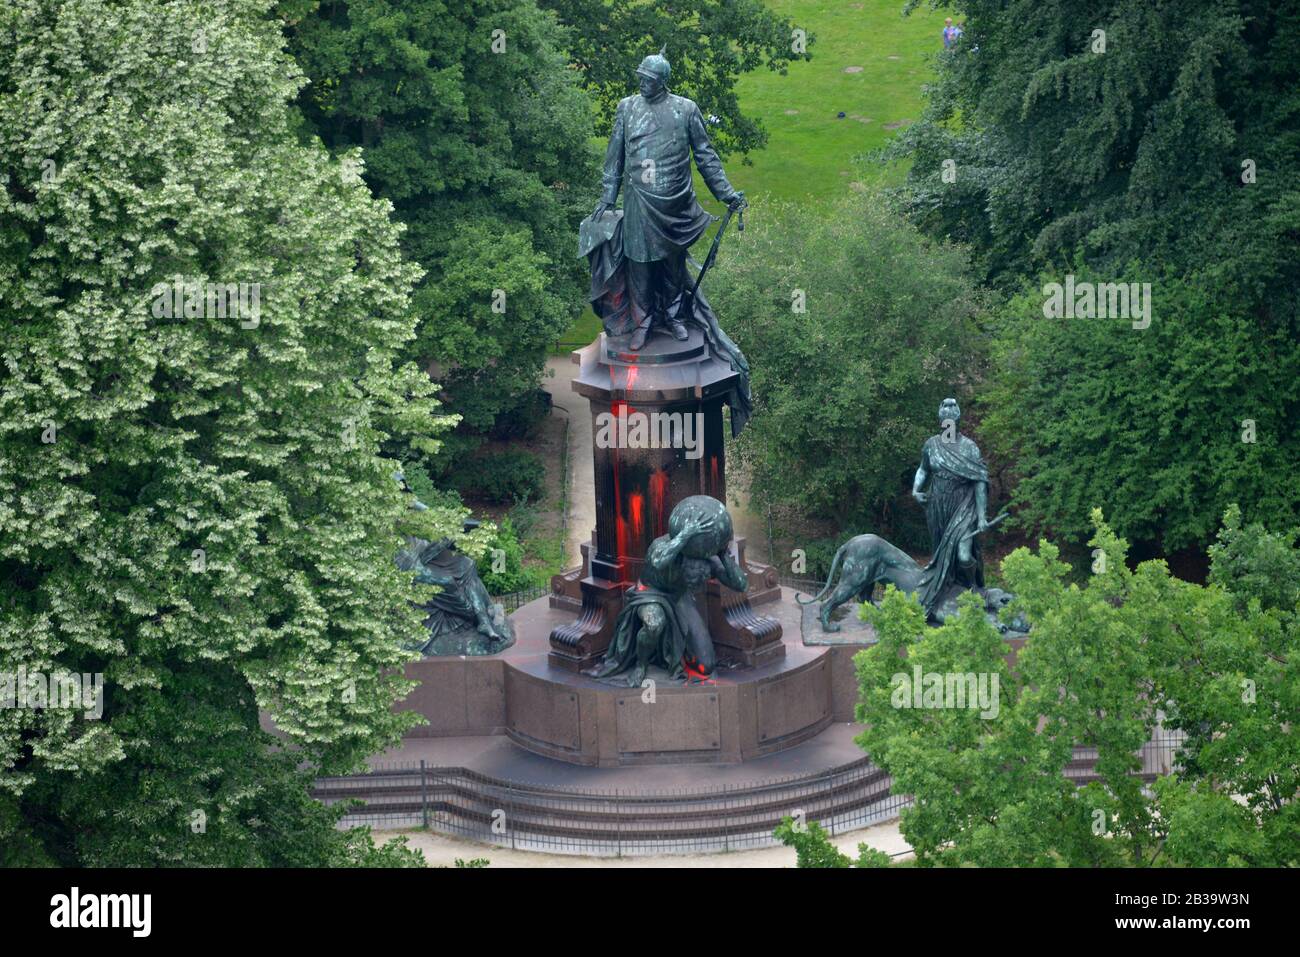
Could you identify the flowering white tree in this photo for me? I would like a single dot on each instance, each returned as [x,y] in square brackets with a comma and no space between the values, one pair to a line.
[195,505]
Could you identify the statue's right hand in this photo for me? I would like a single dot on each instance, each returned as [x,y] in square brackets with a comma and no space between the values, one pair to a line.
[601,208]
[920,497]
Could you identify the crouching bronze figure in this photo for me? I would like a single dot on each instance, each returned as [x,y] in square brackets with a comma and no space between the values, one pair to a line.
[660,623]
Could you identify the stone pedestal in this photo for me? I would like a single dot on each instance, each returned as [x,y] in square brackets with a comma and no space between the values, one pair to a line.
[637,486]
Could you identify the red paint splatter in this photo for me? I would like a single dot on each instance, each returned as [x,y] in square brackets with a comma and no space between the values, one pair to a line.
[659,500]
[619,408]
[635,501]
[715,483]
[695,672]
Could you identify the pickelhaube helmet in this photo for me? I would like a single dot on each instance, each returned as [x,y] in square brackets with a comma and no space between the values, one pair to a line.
[656,66]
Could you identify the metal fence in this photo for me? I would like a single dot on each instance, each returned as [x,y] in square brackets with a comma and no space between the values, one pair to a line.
[625,823]
[1157,757]
[517,599]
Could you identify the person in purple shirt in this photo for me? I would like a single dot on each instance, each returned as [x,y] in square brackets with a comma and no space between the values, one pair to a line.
[950,33]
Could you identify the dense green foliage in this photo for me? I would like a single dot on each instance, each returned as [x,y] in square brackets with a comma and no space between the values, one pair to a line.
[192,505]
[1235,802]
[1169,156]
[1103,663]
[501,477]
[814,849]
[710,43]
[502,565]
[1164,426]
[487,158]
[847,389]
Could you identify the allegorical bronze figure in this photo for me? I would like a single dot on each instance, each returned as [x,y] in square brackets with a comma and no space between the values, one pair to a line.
[952,483]
[639,279]
[956,506]
[461,619]
[660,623]
[649,159]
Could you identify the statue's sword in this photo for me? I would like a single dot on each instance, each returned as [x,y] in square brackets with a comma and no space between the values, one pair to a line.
[713,250]
[1001,515]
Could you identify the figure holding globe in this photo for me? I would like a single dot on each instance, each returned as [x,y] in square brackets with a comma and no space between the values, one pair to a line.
[660,623]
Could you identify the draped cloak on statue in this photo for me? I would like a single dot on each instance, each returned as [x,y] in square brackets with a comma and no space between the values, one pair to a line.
[463,602]
[600,239]
[622,653]
[649,160]
[951,512]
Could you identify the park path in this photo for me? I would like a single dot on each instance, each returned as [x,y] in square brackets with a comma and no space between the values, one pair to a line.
[442,851]
[582,479]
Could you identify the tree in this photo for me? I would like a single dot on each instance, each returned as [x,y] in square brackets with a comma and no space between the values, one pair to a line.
[475,129]
[1103,664]
[1150,142]
[1120,130]
[710,43]
[814,849]
[855,327]
[1235,802]
[201,321]
[1165,426]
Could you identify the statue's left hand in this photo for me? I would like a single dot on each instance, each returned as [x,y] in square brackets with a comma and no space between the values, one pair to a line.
[983,523]
[698,524]
[737,202]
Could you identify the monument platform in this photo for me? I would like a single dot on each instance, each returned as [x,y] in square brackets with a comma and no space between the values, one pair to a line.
[742,713]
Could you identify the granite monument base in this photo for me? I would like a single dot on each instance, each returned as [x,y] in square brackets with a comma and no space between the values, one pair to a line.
[743,712]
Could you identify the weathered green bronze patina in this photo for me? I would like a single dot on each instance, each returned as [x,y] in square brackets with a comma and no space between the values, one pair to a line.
[462,619]
[660,623]
[956,507]
[639,279]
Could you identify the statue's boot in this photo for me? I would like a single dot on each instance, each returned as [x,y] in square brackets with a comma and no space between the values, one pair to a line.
[639,337]
[678,329]
[967,572]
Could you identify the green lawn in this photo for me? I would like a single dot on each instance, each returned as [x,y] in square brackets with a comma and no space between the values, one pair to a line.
[810,152]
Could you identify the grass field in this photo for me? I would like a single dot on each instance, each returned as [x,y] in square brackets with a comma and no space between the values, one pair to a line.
[810,151]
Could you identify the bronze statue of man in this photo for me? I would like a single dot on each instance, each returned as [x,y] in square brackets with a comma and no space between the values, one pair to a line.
[956,507]
[649,158]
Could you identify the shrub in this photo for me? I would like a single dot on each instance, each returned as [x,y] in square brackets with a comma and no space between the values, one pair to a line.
[855,327]
[501,478]
[507,553]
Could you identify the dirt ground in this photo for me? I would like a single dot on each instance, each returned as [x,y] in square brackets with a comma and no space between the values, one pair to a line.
[442,851]
[581,477]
